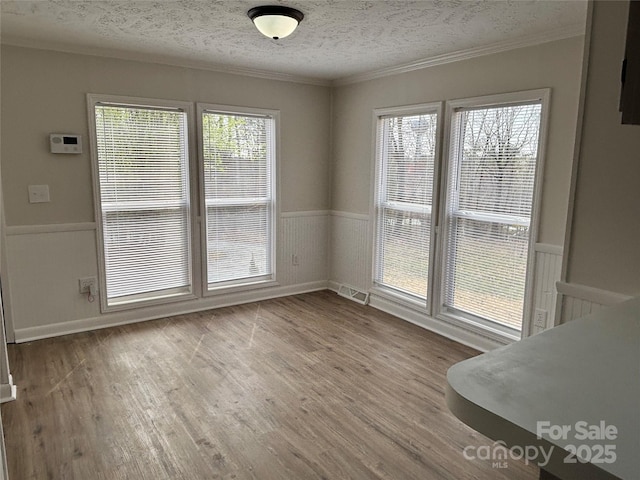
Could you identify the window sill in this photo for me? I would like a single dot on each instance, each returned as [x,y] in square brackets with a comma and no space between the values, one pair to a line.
[494,332]
[400,298]
[148,302]
[225,289]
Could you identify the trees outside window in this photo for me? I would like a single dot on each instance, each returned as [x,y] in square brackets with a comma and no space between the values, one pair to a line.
[462,254]
[488,217]
[406,155]
[238,163]
[143,201]
[150,191]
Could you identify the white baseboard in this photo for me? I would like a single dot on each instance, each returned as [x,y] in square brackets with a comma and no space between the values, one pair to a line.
[152,313]
[452,332]
[8,391]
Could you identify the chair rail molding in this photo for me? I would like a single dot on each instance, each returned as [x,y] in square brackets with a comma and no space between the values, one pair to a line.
[581,300]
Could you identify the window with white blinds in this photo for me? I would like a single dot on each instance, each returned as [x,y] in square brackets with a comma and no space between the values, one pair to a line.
[492,169]
[238,151]
[143,201]
[406,150]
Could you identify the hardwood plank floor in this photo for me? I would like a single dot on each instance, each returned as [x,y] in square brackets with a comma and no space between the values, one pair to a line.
[306,387]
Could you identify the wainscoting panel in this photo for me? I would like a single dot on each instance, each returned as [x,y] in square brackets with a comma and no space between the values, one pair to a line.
[304,247]
[350,249]
[43,269]
[574,308]
[44,263]
[548,265]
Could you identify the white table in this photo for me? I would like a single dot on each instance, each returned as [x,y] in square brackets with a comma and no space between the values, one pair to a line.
[587,370]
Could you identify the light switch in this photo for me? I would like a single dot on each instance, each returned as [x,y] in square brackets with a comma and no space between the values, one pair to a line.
[38,193]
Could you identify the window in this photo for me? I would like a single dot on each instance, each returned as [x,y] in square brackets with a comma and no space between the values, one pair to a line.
[238,151]
[461,255]
[406,150]
[142,196]
[490,196]
[148,236]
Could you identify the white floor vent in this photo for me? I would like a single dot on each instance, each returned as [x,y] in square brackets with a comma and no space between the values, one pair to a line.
[353,294]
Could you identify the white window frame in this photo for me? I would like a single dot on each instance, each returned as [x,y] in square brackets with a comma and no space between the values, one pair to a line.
[266,280]
[142,300]
[385,291]
[441,311]
[434,306]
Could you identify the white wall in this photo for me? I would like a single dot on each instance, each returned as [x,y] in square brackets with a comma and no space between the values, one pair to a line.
[556,65]
[44,92]
[51,245]
[603,243]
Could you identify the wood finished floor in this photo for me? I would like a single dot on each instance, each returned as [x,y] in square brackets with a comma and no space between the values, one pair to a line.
[306,387]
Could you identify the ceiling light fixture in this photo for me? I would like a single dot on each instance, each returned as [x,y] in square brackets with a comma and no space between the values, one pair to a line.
[275,21]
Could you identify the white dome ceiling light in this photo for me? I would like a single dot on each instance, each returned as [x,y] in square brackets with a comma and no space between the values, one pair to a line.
[275,21]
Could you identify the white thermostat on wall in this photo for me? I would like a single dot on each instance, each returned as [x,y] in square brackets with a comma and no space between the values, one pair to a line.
[65,143]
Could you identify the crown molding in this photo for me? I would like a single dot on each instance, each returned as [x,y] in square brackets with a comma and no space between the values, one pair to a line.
[575,30]
[161,59]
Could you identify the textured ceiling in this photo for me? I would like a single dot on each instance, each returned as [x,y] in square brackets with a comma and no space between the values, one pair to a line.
[336,39]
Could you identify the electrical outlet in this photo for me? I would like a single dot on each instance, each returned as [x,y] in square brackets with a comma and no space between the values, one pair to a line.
[294,260]
[87,284]
[540,318]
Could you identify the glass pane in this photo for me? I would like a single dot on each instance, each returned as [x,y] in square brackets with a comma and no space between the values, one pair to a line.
[144,199]
[494,152]
[237,181]
[488,263]
[235,156]
[405,251]
[237,242]
[146,251]
[409,151]
[407,147]
[498,161]
[141,154]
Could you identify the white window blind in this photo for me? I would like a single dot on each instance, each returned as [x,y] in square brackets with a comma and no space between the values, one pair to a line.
[406,154]
[239,158]
[493,159]
[142,158]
